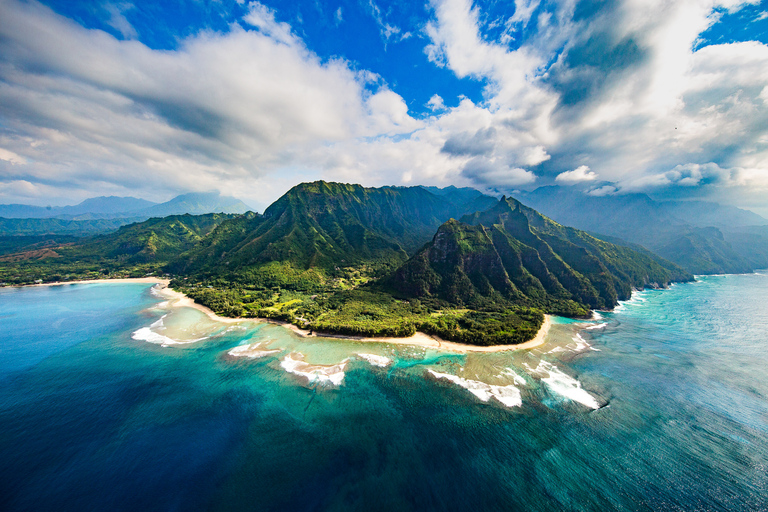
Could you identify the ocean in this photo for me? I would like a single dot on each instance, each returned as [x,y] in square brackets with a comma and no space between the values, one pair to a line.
[112,399]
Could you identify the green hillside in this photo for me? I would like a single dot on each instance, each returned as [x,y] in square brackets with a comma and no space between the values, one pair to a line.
[320,231]
[484,281]
[359,261]
[512,254]
[133,250]
[701,237]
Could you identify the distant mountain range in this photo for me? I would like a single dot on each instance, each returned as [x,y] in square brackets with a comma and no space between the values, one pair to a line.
[702,237]
[513,253]
[105,214]
[347,259]
[112,207]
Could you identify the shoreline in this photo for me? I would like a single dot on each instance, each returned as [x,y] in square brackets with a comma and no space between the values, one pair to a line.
[424,340]
[155,280]
[419,339]
[182,301]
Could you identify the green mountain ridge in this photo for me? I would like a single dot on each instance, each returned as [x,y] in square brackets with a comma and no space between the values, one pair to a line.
[701,237]
[134,250]
[513,254]
[345,259]
[319,227]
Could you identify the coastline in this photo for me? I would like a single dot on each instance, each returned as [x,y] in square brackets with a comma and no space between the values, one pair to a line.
[182,301]
[424,340]
[155,280]
[419,339]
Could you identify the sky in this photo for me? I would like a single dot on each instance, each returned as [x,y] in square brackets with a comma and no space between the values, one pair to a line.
[152,99]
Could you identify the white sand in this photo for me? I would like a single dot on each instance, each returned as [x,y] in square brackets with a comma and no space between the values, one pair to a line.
[157,280]
[420,339]
[179,300]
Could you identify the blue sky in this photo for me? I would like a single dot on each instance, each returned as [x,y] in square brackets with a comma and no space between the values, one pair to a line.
[152,99]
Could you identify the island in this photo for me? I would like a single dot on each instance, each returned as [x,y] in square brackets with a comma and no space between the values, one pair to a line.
[386,262]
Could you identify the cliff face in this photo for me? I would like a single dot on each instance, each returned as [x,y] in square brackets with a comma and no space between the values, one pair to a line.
[511,254]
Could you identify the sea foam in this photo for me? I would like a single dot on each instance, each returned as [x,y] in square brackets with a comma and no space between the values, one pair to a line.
[563,384]
[508,396]
[252,351]
[322,374]
[376,360]
[150,336]
[580,344]
[515,377]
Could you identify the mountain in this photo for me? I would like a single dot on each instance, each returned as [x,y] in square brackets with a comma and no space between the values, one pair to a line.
[55,226]
[197,203]
[706,251]
[705,214]
[512,254]
[334,258]
[99,207]
[751,242]
[671,229]
[111,205]
[465,198]
[319,227]
[133,249]
[157,239]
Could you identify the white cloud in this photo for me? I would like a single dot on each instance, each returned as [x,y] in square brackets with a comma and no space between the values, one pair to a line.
[387,30]
[605,190]
[435,103]
[218,112]
[628,96]
[248,111]
[523,11]
[10,156]
[263,18]
[118,21]
[578,175]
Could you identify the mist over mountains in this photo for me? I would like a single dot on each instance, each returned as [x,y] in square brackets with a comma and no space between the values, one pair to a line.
[113,207]
[702,237]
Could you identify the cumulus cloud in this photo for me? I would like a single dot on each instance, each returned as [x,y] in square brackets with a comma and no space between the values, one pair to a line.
[436,103]
[578,175]
[224,109]
[624,88]
[482,142]
[617,86]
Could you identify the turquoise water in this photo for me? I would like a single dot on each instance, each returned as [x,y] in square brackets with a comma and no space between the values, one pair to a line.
[94,417]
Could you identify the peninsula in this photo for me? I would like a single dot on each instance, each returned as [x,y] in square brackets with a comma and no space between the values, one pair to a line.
[370,263]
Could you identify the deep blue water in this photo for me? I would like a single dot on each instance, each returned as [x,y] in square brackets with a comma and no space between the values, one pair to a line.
[91,419]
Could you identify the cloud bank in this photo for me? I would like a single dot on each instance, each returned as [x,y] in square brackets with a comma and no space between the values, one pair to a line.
[573,90]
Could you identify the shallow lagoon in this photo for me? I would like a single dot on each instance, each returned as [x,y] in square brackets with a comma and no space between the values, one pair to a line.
[93,418]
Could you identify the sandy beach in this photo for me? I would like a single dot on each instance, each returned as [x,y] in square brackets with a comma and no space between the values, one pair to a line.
[420,339]
[156,280]
[179,300]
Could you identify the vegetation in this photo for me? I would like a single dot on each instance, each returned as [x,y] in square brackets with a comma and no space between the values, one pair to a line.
[357,261]
[370,312]
[135,250]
